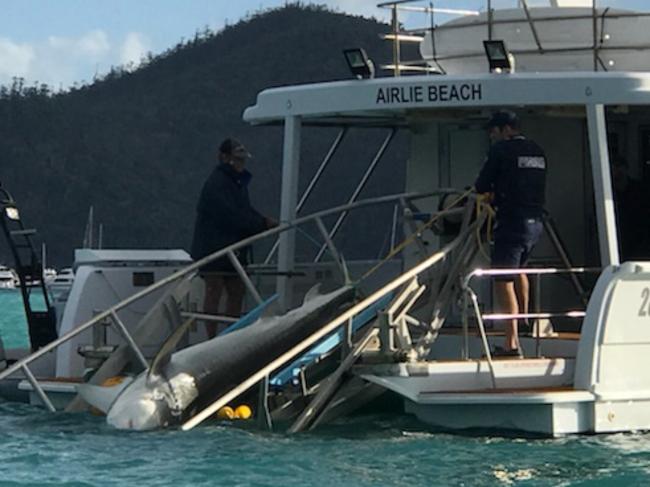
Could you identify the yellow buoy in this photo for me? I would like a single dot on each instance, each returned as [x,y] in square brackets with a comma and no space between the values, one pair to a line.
[243,412]
[226,412]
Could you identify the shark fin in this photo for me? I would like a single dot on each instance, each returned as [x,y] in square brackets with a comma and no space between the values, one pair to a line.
[165,352]
[313,292]
[102,397]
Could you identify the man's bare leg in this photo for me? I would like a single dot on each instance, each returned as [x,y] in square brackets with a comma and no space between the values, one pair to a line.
[213,288]
[507,302]
[235,290]
[522,290]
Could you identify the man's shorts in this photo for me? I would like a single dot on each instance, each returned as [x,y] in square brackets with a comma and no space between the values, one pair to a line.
[514,240]
[223,266]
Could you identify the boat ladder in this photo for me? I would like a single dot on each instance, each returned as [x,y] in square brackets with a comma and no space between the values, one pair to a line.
[41,322]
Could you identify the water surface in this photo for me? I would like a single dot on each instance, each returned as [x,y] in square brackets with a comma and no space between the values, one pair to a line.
[38,448]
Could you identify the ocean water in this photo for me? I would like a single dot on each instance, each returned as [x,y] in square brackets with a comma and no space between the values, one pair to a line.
[13,326]
[38,448]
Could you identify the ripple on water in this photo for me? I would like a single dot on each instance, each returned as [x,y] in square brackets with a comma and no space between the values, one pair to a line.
[37,448]
[13,325]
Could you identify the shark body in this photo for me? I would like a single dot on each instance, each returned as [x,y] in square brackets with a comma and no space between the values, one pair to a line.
[180,384]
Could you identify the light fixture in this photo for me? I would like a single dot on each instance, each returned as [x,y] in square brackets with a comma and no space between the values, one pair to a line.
[499,57]
[12,213]
[359,63]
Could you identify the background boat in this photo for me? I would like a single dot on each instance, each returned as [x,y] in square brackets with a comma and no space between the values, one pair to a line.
[8,278]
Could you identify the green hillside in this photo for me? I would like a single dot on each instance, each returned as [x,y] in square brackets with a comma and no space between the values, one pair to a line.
[138,145]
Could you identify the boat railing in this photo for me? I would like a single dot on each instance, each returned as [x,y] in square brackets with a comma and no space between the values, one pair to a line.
[111,316]
[470,301]
[599,13]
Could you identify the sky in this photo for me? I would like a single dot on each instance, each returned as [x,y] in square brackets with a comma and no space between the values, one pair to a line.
[62,42]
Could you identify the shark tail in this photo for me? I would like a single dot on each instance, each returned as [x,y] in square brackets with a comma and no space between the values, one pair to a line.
[102,397]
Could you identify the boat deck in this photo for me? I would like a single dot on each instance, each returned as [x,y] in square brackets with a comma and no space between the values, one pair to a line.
[510,395]
[560,335]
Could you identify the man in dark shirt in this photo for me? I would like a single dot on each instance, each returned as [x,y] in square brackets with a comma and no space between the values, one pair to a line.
[225,216]
[515,173]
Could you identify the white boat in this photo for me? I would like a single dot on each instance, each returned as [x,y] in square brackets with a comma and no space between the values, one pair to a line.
[59,282]
[8,278]
[431,344]
[581,84]
[49,275]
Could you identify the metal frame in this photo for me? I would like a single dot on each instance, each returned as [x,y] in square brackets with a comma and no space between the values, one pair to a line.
[469,292]
[288,212]
[312,184]
[324,331]
[359,188]
[603,194]
[399,5]
[393,322]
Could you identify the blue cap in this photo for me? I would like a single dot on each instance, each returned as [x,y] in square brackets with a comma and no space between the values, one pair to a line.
[502,118]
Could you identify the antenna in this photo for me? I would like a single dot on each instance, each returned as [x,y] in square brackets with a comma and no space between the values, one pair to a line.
[88,231]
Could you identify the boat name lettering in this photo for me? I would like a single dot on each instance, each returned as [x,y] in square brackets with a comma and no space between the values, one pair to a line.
[429,93]
[644,310]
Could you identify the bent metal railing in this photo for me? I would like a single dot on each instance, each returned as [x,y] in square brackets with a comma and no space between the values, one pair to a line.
[339,321]
[470,295]
[111,315]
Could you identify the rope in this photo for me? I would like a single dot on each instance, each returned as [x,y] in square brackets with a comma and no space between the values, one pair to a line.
[411,238]
[309,238]
[483,204]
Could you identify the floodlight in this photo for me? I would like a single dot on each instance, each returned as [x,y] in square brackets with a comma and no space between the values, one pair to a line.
[12,213]
[359,63]
[499,57]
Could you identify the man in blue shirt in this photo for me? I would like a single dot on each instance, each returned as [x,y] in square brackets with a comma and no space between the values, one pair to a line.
[515,174]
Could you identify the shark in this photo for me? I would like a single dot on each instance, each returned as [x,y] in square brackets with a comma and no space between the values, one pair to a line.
[178,384]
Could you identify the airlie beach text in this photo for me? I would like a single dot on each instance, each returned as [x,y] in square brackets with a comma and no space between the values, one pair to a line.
[429,93]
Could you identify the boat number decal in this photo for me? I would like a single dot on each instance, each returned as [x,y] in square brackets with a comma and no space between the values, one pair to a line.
[644,310]
[429,93]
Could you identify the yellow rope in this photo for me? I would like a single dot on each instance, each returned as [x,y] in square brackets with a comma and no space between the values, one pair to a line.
[483,203]
[407,241]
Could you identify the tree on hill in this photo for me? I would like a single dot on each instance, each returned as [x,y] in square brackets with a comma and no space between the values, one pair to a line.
[138,144]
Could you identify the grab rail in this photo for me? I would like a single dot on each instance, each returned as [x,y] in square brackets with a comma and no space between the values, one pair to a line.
[468,292]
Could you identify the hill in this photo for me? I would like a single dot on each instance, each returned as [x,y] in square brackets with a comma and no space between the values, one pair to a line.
[138,145]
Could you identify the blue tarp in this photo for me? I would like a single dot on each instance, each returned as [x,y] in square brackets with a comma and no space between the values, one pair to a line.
[327,344]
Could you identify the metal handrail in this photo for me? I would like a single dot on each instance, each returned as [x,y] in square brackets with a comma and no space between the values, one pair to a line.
[536,271]
[400,5]
[506,316]
[538,19]
[481,317]
[528,270]
[112,311]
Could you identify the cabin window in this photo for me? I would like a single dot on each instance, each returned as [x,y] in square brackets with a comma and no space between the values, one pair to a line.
[143,279]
